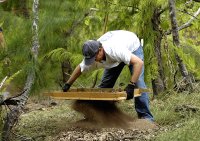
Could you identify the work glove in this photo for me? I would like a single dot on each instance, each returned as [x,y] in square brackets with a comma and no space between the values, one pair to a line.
[66,87]
[130,90]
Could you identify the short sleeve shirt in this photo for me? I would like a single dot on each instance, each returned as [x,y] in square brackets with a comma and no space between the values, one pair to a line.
[118,46]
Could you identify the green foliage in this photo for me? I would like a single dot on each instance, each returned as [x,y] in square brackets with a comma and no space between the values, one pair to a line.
[8,81]
[187,59]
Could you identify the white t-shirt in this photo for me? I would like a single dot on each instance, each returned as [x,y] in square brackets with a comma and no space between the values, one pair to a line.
[118,46]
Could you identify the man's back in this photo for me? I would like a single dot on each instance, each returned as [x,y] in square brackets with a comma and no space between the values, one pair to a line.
[121,39]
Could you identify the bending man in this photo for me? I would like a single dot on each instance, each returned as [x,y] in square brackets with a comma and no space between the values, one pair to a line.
[113,51]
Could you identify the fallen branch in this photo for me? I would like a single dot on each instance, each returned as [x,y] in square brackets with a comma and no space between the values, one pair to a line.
[8,99]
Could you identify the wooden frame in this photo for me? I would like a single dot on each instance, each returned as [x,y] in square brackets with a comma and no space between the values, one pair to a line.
[94,94]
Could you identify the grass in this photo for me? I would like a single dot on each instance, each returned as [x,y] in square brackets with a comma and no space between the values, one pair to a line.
[189,132]
[180,126]
[164,112]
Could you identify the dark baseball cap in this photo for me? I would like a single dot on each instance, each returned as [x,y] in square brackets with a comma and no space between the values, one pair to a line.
[90,49]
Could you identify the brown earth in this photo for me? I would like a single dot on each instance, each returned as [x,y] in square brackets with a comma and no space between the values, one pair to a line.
[103,121]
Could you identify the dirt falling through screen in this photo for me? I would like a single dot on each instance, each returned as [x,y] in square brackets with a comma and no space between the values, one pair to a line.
[102,114]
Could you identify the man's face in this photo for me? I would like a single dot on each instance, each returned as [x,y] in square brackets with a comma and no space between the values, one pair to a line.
[99,56]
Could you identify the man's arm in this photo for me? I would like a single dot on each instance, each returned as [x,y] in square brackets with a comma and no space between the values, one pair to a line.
[76,73]
[137,67]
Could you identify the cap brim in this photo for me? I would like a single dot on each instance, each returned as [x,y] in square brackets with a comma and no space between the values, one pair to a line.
[89,61]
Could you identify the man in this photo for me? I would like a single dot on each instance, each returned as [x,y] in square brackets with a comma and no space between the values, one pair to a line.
[112,51]
[2,41]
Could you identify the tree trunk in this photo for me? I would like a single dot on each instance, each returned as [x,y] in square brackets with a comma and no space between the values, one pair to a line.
[106,16]
[158,83]
[16,111]
[176,42]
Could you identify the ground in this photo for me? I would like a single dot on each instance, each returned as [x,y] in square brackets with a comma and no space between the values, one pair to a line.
[59,120]
[90,121]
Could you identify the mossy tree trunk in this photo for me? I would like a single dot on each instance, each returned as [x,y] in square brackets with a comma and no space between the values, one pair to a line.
[158,83]
[175,35]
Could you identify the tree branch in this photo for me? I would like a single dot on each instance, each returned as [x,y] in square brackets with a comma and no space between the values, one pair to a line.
[78,22]
[187,13]
[187,24]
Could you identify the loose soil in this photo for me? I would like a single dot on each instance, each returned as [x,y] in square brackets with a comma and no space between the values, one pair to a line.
[102,121]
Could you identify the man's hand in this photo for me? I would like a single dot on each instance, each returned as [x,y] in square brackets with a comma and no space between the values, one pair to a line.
[130,90]
[66,87]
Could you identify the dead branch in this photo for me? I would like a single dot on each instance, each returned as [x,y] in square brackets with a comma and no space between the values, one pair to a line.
[8,99]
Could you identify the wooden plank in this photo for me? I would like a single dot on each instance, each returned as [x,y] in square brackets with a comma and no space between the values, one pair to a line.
[95,94]
[88,95]
[94,90]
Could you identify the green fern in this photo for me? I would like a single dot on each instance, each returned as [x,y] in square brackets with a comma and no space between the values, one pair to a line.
[8,81]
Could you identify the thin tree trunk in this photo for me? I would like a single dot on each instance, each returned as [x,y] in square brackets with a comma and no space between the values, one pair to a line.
[106,17]
[15,112]
[176,42]
[158,83]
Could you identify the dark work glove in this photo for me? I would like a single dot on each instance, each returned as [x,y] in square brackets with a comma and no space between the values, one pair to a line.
[66,87]
[130,91]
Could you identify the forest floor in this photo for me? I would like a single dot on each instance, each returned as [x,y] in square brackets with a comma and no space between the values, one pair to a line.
[176,118]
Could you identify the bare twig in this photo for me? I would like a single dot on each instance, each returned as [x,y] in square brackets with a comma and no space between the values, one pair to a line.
[187,13]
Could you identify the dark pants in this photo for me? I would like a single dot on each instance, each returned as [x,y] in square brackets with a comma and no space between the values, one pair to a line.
[141,103]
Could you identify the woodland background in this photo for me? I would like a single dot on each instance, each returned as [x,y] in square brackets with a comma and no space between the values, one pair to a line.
[41,47]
